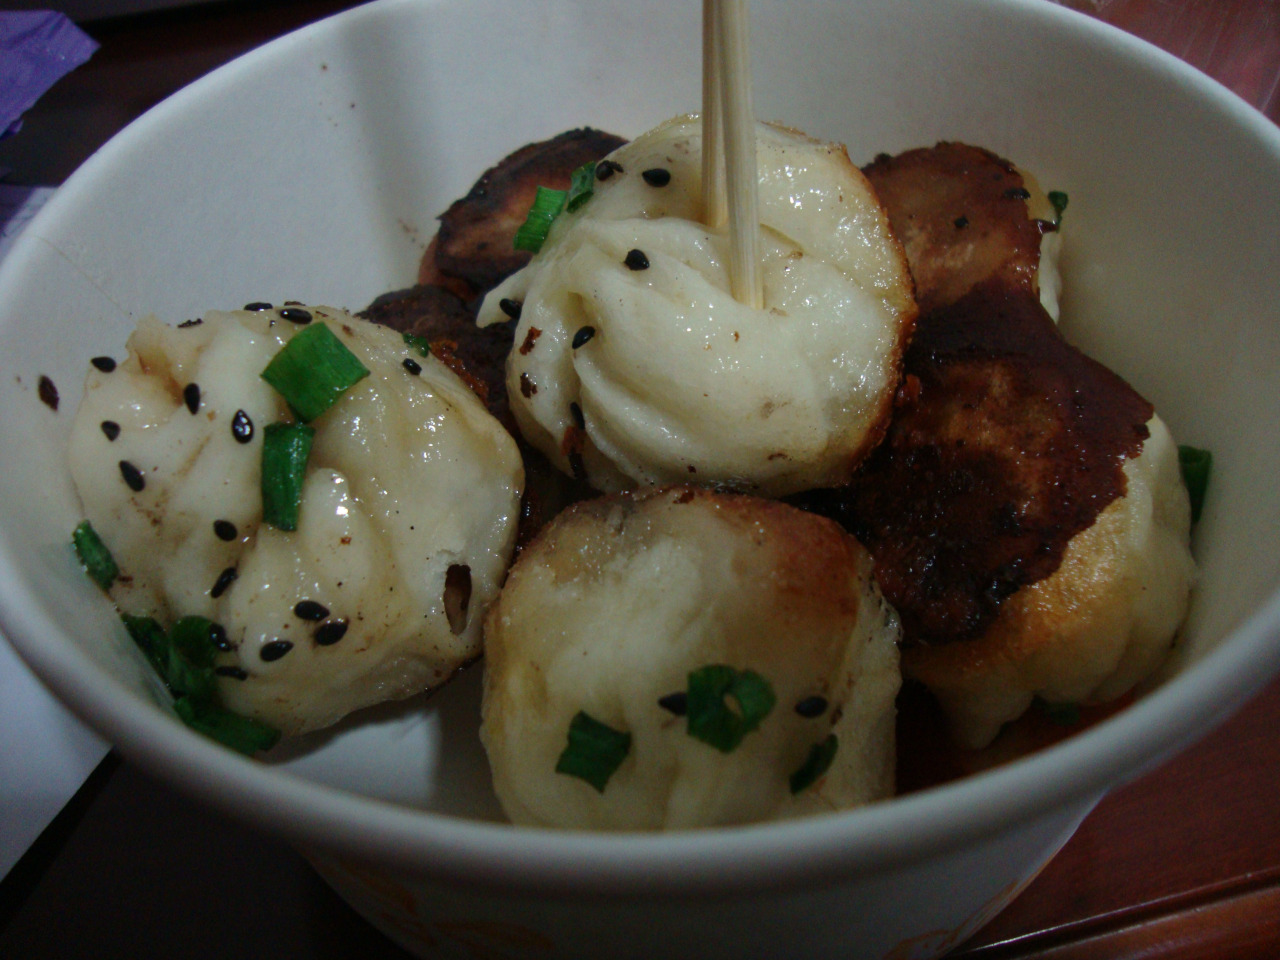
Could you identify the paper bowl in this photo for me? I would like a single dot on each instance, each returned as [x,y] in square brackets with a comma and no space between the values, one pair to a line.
[313,169]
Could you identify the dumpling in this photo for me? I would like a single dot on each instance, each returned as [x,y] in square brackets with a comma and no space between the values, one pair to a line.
[1027,517]
[1099,625]
[635,365]
[406,524]
[683,658]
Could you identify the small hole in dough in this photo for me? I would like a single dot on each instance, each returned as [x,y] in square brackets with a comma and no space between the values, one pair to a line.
[457,596]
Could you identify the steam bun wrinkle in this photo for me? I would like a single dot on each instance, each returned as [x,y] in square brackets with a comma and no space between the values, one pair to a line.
[407,521]
[679,381]
[621,599]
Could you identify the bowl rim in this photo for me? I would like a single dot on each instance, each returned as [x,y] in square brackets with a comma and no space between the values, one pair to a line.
[724,861]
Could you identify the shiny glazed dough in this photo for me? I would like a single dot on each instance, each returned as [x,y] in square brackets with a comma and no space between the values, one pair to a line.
[1098,626]
[616,602]
[681,382]
[408,477]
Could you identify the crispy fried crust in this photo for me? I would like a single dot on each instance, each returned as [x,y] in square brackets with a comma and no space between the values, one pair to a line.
[478,355]
[475,242]
[961,213]
[1006,443]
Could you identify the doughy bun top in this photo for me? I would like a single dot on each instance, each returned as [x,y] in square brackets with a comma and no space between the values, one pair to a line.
[678,381]
[619,607]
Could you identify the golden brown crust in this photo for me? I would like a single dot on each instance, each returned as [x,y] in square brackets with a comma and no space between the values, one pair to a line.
[811,555]
[1007,443]
[475,242]
[476,354]
[961,214]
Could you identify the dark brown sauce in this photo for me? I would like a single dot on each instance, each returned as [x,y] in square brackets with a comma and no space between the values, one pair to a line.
[1008,444]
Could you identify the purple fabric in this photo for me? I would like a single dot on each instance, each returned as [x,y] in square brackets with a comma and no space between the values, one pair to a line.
[36,48]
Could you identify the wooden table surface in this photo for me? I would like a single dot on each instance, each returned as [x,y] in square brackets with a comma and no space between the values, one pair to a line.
[1184,862]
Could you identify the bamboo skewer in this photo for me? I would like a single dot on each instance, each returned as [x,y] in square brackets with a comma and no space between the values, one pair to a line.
[716,212]
[732,70]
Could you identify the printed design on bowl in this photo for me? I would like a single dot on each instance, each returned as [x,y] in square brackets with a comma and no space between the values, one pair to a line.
[404,913]
[936,943]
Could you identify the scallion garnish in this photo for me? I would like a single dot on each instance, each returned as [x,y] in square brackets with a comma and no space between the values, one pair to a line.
[151,640]
[816,764]
[313,370]
[243,734]
[710,717]
[594,751]
[547,205]
[285,448]
[1196,465]
[95,556]
[581,186]
[184,660]
[419,343]
[1059,201]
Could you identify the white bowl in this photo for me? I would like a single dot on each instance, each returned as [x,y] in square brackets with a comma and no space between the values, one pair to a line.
[312,169]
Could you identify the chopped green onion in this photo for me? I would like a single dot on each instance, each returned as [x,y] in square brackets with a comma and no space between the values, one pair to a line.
[816,764]
[285,448]
[594,751]
[151,640]
[581,186]
[184,660]
[195,639]
[1059,201]
[189,672]
[243,734]
[313,370]
[710,718]
[95,556]
[419,343]
[1063,714]
[547,205]
[1196,465]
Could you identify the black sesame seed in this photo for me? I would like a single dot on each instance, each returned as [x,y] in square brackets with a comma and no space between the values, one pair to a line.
[295,314]
[811,707]
[677,703]
[1018,193]
[242,427]
[510,307]
[110,428]
[105,364]
[225,579]
[657,176]
[275,650]
[636,260]
[412,365]
[961,222]
[132,476]
[258,306]
[582,336]
[330,632]
[47,391]
[575,411]
[235,673]
[225,530]
[310,610]
[218,637]
[191,396]
[607,168]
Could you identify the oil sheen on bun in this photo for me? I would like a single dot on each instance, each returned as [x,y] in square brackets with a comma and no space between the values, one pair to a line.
[407,521]
[635,364]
